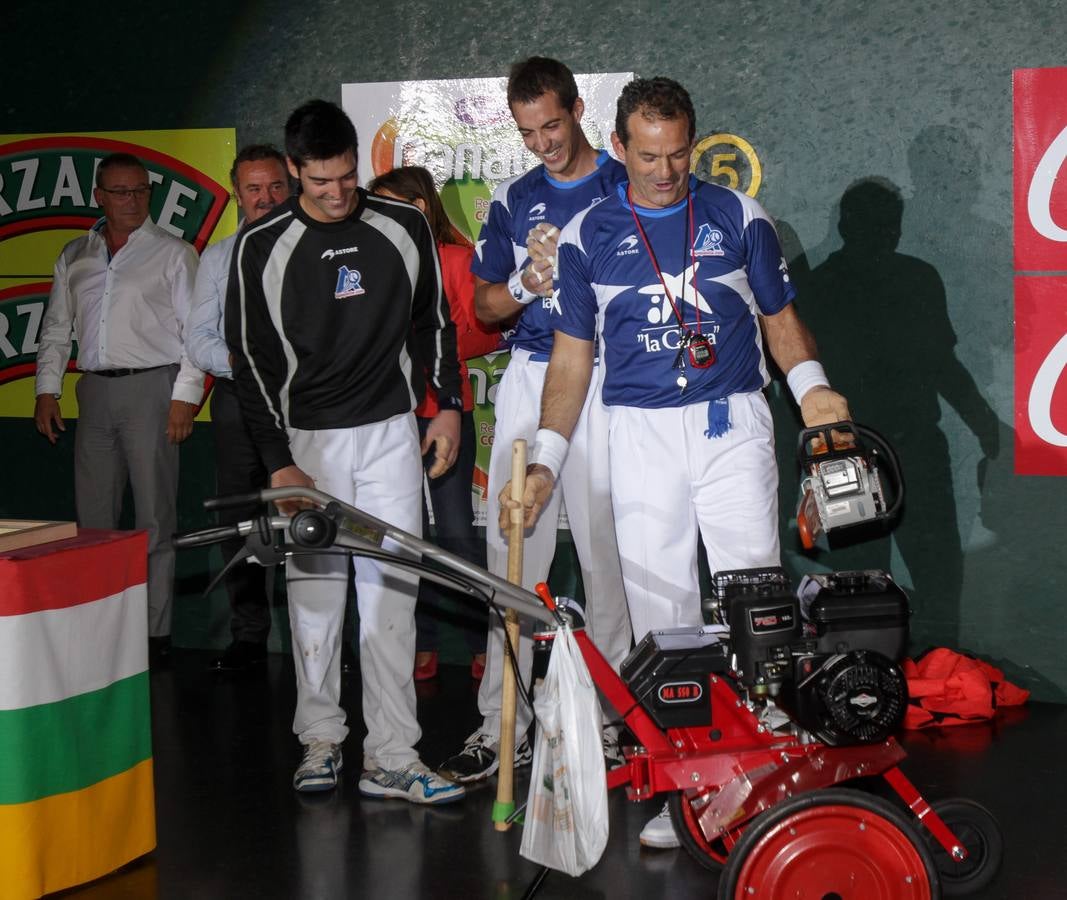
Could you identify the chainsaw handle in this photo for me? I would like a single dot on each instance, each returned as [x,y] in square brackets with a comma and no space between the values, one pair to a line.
[884,449]
[826,433]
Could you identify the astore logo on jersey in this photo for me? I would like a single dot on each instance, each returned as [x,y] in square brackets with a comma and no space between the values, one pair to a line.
[330,254]
[708,242]
[628,246]
[537,211]
[348,283]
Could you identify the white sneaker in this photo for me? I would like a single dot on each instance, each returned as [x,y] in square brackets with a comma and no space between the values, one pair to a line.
[414,783]
[658,832]
[319,768]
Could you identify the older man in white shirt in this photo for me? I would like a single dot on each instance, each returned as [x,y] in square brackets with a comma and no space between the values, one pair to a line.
[260,182]
[122,291]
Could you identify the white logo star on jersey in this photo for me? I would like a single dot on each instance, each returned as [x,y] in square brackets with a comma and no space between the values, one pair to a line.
[552,303]
[675,285]
[478,248]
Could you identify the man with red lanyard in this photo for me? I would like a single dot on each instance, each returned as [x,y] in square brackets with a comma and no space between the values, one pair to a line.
[687,279]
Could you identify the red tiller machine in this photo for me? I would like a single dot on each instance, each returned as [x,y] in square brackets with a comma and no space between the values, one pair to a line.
[771,734]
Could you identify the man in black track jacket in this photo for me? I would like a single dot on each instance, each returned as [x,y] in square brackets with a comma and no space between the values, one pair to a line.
[334,311]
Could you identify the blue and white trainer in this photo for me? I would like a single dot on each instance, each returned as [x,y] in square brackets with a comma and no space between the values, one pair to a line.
[414,783]
[319,768]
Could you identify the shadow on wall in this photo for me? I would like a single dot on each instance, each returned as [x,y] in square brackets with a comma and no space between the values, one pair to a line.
[974,254]
[884,335]
[1015,577]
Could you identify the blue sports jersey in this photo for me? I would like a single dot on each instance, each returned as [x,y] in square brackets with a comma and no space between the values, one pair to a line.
[605,271]
[519,204]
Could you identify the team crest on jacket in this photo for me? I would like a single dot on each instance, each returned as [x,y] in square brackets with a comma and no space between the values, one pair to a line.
[708,242]
[348,283]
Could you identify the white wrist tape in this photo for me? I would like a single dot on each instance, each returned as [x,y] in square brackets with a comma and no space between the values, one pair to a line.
[805,376]
[518,290]
[549,450]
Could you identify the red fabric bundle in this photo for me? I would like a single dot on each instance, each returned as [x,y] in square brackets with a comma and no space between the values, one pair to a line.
[948,688]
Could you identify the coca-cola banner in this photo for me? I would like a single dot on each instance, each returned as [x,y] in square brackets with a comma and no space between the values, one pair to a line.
[1040,204]
[1040,389]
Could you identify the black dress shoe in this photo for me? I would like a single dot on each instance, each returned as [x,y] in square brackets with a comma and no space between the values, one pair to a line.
[239,656]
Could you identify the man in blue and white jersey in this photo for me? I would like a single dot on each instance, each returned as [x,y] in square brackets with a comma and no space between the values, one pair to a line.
[681,281]
[513,268]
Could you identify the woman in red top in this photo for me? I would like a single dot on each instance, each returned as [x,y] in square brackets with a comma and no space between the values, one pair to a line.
[450,495]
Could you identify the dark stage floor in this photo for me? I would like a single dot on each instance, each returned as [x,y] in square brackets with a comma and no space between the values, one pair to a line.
[231,826]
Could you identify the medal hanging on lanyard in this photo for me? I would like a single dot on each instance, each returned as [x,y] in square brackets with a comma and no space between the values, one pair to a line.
[692,345]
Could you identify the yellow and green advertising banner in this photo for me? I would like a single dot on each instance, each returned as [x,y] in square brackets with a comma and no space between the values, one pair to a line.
[46,200]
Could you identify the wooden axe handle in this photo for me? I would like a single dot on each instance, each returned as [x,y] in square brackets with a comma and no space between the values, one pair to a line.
[505,785]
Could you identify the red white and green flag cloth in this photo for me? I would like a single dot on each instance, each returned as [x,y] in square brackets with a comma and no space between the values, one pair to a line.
[76,793]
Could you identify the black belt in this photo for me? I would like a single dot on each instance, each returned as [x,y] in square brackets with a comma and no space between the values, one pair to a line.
[122,373]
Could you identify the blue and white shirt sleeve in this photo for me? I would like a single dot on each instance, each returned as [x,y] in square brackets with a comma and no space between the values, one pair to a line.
[575,310]
[494,251]
[768,275]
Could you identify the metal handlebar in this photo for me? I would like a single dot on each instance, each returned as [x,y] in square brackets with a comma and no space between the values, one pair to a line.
[205,536]
[231,501]
[362,534]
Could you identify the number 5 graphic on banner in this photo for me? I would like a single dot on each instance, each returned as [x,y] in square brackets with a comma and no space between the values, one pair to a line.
[728,156]
[1039,198]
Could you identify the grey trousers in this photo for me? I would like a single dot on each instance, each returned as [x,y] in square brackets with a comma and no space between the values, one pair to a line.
[122,435]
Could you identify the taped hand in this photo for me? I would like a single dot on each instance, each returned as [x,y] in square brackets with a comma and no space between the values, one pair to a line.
[541,243]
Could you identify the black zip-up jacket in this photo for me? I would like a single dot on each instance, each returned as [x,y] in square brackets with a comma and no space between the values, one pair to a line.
[332,325]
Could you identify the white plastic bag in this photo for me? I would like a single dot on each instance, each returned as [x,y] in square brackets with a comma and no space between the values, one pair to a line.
[566,820]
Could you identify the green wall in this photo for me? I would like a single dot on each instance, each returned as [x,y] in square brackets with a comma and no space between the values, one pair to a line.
[908,97]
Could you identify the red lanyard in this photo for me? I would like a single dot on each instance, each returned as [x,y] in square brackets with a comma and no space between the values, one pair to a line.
[678,313]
